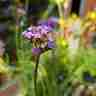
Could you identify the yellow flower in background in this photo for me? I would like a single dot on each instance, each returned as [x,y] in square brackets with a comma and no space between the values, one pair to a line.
[1,61]
[2,66]
[61,22]
[74,16]
[92,15]
[61,41]
[70,22]
[87,24]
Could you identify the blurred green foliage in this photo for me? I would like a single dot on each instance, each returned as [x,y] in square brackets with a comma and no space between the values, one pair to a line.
[56,71]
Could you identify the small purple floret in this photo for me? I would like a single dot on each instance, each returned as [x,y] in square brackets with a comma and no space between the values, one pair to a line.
[50,44]
[36,51]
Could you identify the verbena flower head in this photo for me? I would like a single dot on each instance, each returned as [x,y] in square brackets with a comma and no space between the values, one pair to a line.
[41,38]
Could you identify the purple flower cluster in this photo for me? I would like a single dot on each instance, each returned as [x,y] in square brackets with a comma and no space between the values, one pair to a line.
[37,32]
[41,37]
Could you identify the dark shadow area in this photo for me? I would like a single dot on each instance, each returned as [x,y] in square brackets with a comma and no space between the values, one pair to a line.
[7,33]
[75,6]
[35,8]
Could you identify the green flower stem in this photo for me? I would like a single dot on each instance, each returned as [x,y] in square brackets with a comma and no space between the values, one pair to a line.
[36,74]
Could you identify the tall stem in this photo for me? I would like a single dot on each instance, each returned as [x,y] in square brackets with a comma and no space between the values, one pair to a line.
[36,73]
